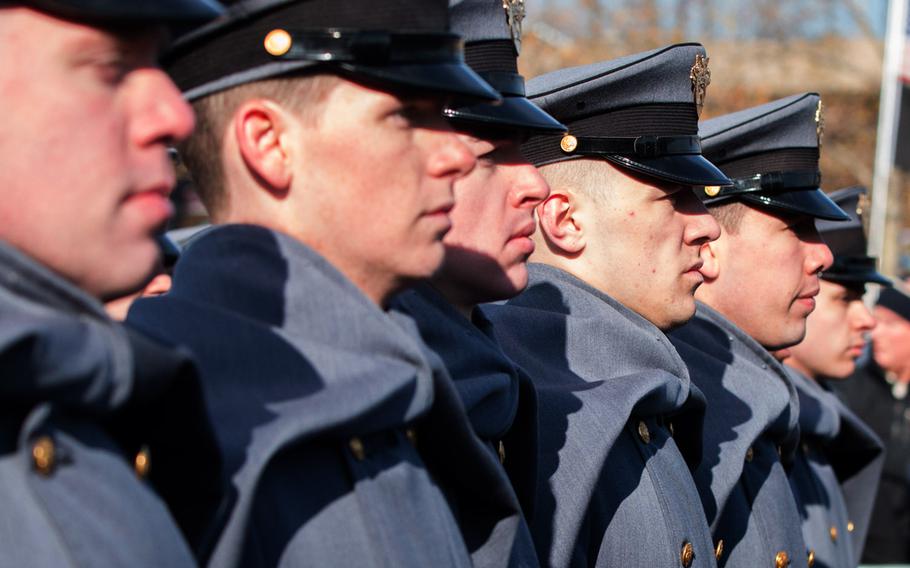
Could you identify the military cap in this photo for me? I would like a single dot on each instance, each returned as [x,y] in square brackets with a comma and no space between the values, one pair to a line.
[895,300]
[771,152]
[847,241]
[491,30]
[393,44]
[165,11]
[639,112]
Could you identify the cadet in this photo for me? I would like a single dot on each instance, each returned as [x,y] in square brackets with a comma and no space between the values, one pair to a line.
[835,473]
[94,416]
[761,278]
[877,392]
[617,249]
[489,244]
[325,162]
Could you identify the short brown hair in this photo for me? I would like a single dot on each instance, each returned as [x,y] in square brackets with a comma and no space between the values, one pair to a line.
[729,215]
[202,151]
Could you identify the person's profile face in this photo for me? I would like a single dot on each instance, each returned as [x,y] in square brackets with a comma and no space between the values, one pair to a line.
[83,145]
[488,247]
[835,332]
[770,270]
[379,171]
[891,340]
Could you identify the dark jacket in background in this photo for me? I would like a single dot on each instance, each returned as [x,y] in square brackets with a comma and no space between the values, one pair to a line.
[341,446]
[834,476]
[750,422]
[614,486]
[870,396]
[80,397]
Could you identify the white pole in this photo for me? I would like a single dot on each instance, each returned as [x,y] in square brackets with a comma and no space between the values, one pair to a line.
[888,115]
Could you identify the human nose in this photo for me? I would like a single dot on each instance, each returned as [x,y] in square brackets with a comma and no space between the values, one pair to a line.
[529,189]
[451,157]
[163,115]
[818,257]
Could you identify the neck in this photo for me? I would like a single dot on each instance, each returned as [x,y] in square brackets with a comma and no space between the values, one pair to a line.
[455,295]
[799,366]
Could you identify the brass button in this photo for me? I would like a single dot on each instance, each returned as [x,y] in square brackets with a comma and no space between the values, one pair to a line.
[782,560]
[142,462]
[643,432]
[687,554]
[833,533]
[501,449]
[412,436]
[712,190]
[750,453]
[568,143]
[43,455]
[811,560]
[719,549]
[357,449]
[277,42]
[850,526]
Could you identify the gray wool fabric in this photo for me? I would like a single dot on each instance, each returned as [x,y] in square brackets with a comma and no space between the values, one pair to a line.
[499,398]
[607,495]
[835,475]
[750,423]
[69,376]
[342,447]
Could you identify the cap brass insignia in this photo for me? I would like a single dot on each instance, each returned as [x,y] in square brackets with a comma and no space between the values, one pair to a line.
[568,143]
[820,122]
[278,42]
[701,78]
[712,190]
[515,13]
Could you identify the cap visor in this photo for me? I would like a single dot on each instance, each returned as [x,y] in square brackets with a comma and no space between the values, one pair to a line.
[455,79]
[858,277]
[686,169]
[197,11]
[811,202]
[513,112]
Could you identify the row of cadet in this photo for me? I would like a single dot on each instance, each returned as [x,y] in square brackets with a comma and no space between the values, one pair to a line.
[357,365]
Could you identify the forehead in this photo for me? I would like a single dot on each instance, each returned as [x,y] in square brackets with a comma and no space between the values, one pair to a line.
[28,30]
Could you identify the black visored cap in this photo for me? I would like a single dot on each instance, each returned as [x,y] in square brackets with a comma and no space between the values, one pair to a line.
[492,33]
[639,112]
[132,11]
[771,152]
[896,301]
[847,241]
[393,44]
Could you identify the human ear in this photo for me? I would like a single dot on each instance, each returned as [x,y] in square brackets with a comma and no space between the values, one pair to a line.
[259,128]
[709,256]
[559,223]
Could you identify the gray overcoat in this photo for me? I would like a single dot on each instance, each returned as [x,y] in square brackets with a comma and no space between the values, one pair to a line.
[835,475]
[614,486]
[750,422]
[341,446]
[79,399]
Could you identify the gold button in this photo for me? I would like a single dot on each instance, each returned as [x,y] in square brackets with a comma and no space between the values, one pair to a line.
[687,554]
[850,526]
[782,560]
[811,561]
[750,453]
[568,143]
[43,455]
[142,462]
[833,533]
[278,42]
[412,436]
[719,549]
[357,449]
[502,452]
[643,432]
[712,190]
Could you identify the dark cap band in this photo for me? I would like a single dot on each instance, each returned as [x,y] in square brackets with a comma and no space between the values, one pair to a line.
[769,181]
[639,146]
[896,301]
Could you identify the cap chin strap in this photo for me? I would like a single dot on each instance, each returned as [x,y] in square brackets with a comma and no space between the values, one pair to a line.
[771,181]
[639,146]
[372,47]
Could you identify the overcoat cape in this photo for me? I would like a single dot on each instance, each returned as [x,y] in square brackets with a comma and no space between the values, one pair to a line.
[614,486]
[750,422]
[499,397]
[341,446]
[92,394]
[835,474]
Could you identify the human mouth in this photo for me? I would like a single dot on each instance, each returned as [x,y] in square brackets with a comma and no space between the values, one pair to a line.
[153,202]
[521,238]
[807,299]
